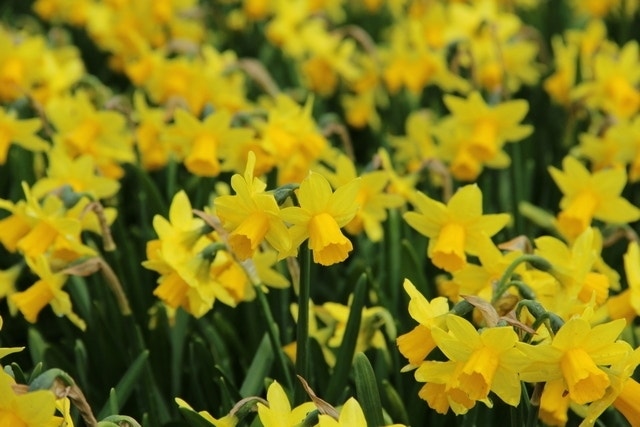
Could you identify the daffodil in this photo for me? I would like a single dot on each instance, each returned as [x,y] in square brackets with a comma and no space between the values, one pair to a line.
[481,130]
[320,215]
[204,141]
[278,412]
[372,197]
[78,173]
[251,215]
[416,344]
[20,132]
[454,229]
[81,128]
[442,389]
[577,354]
[351,415]
[589,196]
[490,360]
[47,290]
[626,305]
[31,409]
[229,420]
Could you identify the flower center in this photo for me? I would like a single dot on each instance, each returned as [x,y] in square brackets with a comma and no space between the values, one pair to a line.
[203,158]
[248,235]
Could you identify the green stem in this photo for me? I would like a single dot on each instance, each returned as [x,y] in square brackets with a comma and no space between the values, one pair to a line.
[302,335]
[274,335]
[504,283]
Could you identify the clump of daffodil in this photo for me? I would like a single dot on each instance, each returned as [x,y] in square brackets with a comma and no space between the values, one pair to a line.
[589,196]
[278,411]
[36,227]
[251,215]
[484,361]
[454,229]
[474,134]
[182,256]
[577,355]
[416,344]
[320,215]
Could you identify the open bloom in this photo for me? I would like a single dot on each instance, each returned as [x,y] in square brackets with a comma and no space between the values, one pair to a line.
[588,196]
[279,413]
[576,355]
[31,409]
[320,216]
[251,215]
[456,228]
[490,361]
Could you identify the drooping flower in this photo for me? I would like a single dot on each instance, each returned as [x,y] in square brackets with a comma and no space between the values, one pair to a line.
[279,411]
[320,216]
[454,229]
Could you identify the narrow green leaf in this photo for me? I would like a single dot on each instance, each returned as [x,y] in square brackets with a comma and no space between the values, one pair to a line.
[36,345]
[112,403]
[18,374]
[393,403]
[178,333]
[126,385]
[258,370]
[367,390]
[347,348]
[81,363]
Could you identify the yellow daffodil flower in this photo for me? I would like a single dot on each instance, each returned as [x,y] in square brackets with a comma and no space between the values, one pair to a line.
[31,409]
[418,343]
[442,391]
[204,141]
[21,132]
[226,421]
[456,228]
[351,415]
[320,216]
[81,128]
[252,216]
[490,360]
[626,305]
[279,412]
[587,196]
[78,173]
[47,290]
[577,354]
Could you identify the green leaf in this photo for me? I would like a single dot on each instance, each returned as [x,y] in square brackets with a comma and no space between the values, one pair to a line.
[393,403]
[258,370]
[347,348]
[367,390]
[126,385]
